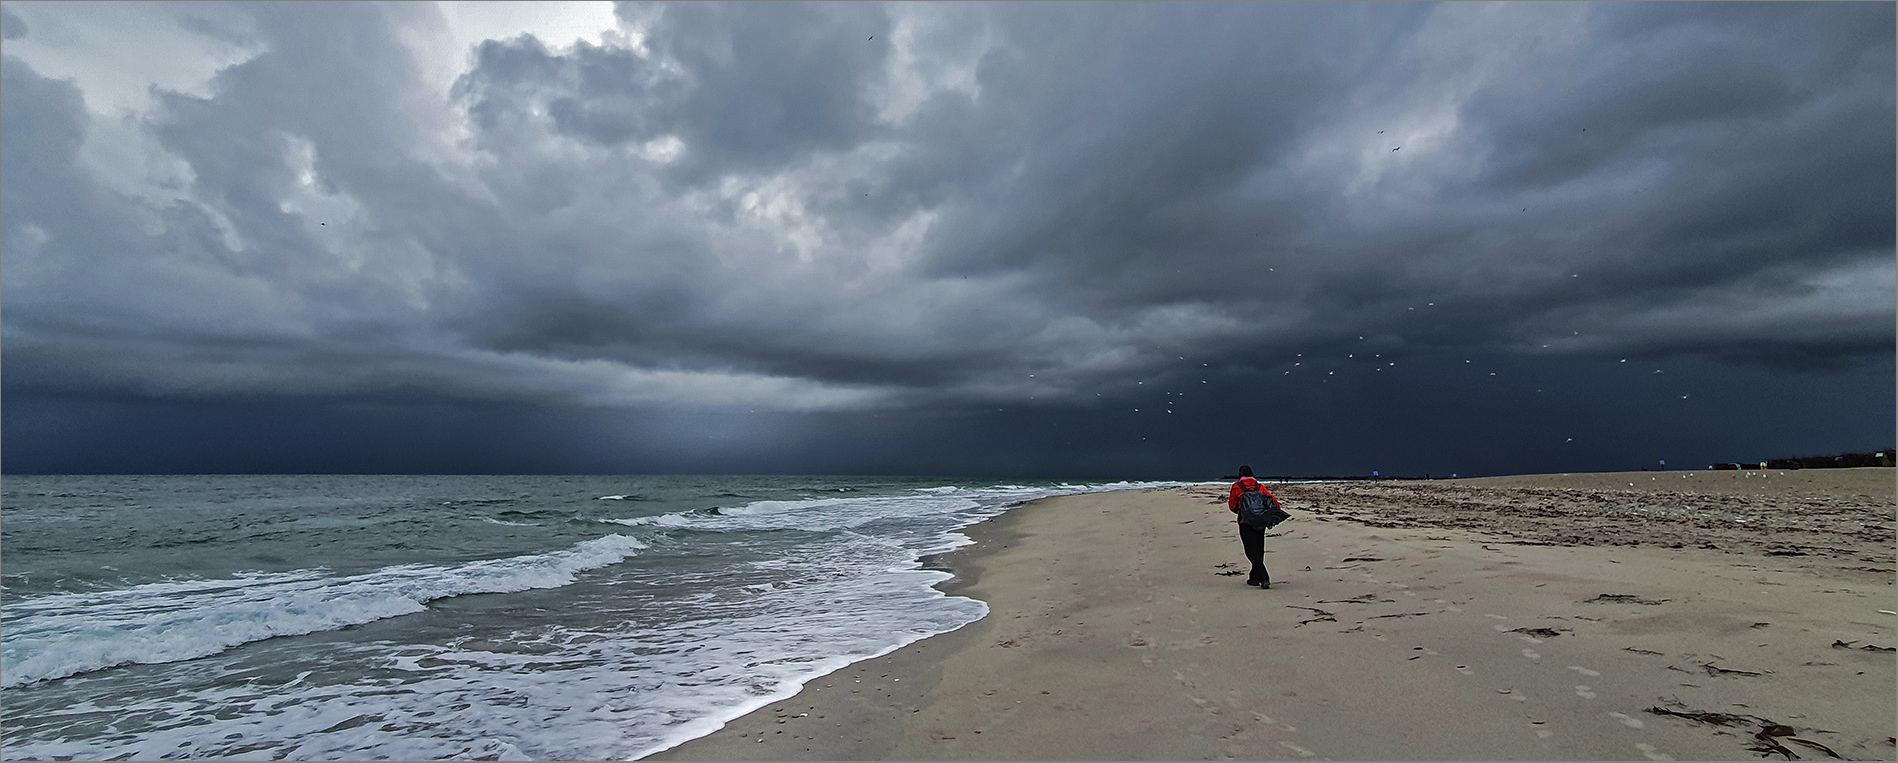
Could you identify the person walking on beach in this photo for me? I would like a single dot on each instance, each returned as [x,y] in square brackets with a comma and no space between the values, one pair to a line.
[1253,538]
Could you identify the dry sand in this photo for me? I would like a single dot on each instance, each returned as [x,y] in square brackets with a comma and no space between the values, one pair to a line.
[1553,617]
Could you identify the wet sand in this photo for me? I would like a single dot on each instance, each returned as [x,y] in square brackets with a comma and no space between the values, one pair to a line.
[1645,615]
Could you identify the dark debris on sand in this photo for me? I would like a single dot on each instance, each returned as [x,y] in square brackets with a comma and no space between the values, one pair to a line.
[1765,740]
[1716,670]
[1322,616]
[1624,598]
[1866,648]
[1828,529]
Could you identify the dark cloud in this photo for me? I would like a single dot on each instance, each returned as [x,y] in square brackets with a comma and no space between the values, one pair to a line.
[11,26]
[749,89]
[765,84]
[834,227]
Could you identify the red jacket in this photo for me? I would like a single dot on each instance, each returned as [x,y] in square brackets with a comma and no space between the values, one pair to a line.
[1240,487]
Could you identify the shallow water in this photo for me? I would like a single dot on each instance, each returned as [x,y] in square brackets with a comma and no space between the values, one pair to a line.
[419,617]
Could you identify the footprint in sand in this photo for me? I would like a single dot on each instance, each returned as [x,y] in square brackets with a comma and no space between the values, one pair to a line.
[1302,752]
[1501,627]
[1465,670]
[1531,654]
[1626,720]
[1499,617]
[1652,753]
[1585,671]
[1541,733]
[1584,692]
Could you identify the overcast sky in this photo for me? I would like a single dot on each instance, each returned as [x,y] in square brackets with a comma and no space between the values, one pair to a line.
[1039,240]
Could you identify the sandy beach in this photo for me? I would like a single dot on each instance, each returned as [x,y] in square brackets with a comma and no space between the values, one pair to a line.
[1630,616]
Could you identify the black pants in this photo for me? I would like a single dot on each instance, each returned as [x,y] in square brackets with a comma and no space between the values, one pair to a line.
[1254,541]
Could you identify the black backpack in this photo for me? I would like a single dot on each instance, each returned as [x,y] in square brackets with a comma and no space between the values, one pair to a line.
[1259,509]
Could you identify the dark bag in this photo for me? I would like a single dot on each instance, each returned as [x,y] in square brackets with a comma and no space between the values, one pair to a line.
[1259,509]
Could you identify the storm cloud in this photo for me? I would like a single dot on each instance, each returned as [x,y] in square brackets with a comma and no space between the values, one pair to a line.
[947,238]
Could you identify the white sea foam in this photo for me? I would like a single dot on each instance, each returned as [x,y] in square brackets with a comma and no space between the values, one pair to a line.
[851,591]
[584,696]
[675,519]
[61,635]
[828,514]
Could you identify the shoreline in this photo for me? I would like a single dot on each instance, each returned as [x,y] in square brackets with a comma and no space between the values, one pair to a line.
[1066,632]
[863,727]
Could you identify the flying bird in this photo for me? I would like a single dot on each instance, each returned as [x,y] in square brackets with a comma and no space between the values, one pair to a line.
[1394,149]
[1380,132]
[873,37]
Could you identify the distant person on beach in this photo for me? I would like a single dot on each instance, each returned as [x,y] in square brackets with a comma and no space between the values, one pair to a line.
[1253,538]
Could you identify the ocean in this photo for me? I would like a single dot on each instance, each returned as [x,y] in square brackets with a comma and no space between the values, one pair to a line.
[467,617]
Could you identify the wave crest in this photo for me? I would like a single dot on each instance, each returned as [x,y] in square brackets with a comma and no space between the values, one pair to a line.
[60,635]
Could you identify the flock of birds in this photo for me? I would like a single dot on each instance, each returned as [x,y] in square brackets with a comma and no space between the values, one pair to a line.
[1376,361]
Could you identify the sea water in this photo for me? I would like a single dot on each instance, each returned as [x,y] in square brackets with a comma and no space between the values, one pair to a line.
[420,617]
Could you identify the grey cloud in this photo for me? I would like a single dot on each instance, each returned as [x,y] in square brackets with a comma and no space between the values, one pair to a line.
[49,126]
[1681,233]
[746,88]
[984,192]
[11,26]
[65,237]
[92,268]
[767,83]
[603,95]
[221,22]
